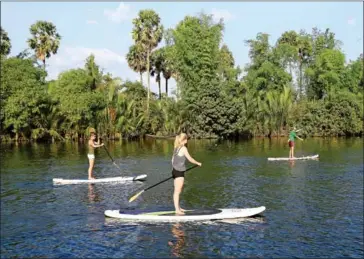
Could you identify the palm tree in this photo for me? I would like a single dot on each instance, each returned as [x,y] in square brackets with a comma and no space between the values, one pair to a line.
[167,74]
[136,58]
[169,55]
[157,63]
[45,40]
[129,120]
[148,33]
[107,117]
[5,44]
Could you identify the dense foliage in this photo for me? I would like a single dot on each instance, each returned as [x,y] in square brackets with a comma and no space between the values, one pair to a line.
[302,80]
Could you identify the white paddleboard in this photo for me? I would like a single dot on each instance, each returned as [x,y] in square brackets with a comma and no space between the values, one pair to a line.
[100,180]
[190,215]
[295,158]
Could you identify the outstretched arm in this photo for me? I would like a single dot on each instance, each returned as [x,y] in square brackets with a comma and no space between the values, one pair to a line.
[96,145]
[193,161]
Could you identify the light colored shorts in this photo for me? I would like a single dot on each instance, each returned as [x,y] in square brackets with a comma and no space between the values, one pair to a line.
[91,156]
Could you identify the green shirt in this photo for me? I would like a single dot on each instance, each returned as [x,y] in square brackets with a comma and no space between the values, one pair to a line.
[292,135]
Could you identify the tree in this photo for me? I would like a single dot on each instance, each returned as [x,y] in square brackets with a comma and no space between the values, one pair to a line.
[266,71]
[227,72]
[157,65]
[23,95]
[197,48]
[325,73]
[93,71]
[45,40]
[136,58]
[169,68]
[148,33]
[352,78]
[106,120]
[5,44]
[295,50]
[78,103]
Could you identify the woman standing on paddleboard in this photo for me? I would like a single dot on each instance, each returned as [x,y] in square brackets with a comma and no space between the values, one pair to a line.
[180,154]
[291,138]
[91,153]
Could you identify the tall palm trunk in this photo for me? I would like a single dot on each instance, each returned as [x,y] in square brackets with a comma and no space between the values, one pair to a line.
[148,69]
[300,81]
[159,86]
[166,87]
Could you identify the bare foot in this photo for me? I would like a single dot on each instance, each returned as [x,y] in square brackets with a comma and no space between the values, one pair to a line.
[92,178]
[179,212]
[183,210]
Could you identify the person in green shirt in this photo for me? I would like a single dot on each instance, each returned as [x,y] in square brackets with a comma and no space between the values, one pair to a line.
[291,138]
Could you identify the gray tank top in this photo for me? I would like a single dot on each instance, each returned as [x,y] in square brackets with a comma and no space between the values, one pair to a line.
[178,161]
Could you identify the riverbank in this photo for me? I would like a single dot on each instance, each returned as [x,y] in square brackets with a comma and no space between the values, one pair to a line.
[168,137]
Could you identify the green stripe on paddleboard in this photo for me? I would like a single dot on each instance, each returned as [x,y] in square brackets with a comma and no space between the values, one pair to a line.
[157,213]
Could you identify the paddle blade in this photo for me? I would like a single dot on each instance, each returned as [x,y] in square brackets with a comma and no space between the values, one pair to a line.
[135,196]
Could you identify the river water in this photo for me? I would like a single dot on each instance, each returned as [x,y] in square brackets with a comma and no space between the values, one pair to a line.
[314,208]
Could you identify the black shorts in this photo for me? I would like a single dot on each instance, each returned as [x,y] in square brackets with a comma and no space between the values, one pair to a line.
[176,173]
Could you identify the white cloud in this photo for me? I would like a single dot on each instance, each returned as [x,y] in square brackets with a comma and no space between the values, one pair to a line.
[74,57]
[221,13]
[351,21]
[121,13]
[91,22]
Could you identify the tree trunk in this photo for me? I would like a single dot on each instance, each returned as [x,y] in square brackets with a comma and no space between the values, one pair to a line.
[148,68]
[44,64]
[300,81]
[166,87]
[159,86]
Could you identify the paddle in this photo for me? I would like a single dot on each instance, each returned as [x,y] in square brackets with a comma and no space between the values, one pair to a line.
[137,195]
[111,158]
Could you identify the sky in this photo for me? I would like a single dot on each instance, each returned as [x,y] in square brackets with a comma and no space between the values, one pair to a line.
[104,28]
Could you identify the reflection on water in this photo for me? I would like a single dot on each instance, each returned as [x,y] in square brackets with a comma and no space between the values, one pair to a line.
[313,208]
[179,242]
[291,163]
[92,194]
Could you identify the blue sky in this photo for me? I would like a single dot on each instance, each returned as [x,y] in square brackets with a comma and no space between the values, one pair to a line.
[105,28]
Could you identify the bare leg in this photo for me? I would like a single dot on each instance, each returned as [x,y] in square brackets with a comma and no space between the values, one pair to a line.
[91,166]
[293,152]
[178,184]
[290,152]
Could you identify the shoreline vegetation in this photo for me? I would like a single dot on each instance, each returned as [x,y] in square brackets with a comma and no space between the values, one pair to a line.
[303,80]
[170,138]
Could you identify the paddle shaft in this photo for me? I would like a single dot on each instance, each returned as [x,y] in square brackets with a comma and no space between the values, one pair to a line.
[167,179]
[112,158]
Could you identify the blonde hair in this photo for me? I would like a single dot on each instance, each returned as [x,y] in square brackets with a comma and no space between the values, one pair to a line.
[179,138]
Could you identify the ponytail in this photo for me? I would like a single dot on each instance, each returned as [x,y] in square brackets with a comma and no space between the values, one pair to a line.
[178,140]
